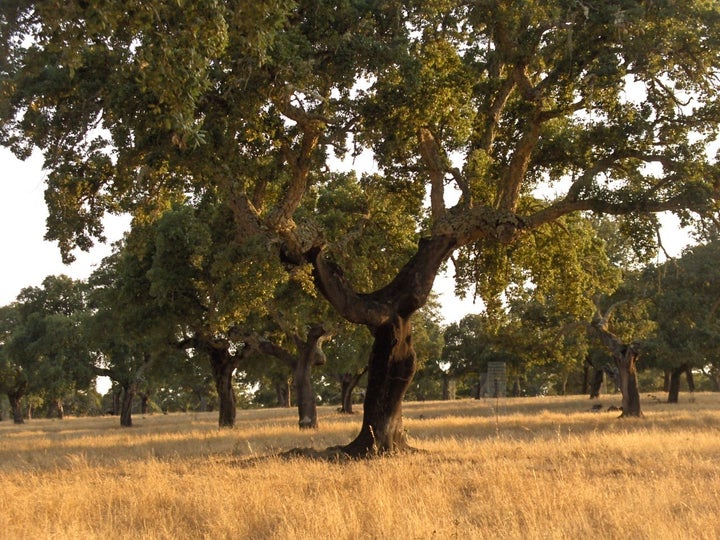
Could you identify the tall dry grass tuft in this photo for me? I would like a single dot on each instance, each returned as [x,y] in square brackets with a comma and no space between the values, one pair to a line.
[516,468]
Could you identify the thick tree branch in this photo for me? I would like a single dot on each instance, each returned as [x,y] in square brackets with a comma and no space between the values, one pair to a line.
[430,152]
[273,349]
[487,137]
[404,295]
[693,199]
[299,161]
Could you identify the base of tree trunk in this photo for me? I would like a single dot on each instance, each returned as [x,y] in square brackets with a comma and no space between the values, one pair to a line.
[342,453]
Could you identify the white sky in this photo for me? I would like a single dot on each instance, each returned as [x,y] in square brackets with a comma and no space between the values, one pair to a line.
[26,259]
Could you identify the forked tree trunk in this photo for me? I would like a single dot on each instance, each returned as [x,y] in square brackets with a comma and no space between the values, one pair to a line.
[386,312]
[348,383]
[625,357]
[674,386]
[391,368]
[309,354]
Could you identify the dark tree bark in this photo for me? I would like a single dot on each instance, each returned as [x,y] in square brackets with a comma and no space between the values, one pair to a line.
[128,394]
[690,379]
[309,354]
[144,402]
[223,366]
[15,399]
[348,383]
[594,385]
[667,374]
[306,404]
[674,386]
[387,313]
[625,356]
[391,368]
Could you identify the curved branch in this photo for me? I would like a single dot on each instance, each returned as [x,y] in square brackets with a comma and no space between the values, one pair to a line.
[273,349]
[404,295]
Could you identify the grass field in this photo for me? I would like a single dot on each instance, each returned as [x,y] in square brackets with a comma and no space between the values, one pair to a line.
[513,468]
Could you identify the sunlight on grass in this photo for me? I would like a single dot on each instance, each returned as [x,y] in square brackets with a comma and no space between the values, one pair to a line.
[513,468]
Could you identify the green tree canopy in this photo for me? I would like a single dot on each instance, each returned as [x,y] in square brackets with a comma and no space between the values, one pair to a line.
[473,113]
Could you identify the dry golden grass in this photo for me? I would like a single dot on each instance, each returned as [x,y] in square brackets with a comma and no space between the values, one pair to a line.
[517,468]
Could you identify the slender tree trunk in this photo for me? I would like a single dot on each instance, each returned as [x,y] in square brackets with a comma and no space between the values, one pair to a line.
[346,405]
[563,386]
[116,395]
[481,386]
[15,399]
[144,402]
[128,394]
[690,379]
[391,368]
[223,366]
[60,408]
